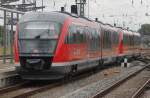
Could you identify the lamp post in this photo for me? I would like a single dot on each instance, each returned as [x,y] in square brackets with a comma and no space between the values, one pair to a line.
[81,5]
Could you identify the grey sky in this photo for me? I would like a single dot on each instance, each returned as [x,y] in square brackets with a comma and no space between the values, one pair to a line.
[110,11]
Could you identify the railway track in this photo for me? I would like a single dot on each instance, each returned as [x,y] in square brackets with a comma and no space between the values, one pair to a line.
[139,92]
[110,91]
[12,87]
[6,56]
[27,89]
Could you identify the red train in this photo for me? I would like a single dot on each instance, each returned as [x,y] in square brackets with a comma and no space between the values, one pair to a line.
[50,45]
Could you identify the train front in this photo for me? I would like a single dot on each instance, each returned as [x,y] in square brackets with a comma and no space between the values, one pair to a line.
[36,39]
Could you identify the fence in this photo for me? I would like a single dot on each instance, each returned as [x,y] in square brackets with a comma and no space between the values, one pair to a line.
[8,21]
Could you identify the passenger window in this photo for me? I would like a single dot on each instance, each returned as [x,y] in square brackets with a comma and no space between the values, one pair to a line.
[69,39]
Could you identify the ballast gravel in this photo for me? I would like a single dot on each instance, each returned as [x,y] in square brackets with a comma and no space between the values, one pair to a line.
[93,89]
[89,86]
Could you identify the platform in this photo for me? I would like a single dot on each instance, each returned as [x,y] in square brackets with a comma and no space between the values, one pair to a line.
[6,67]
[8,74]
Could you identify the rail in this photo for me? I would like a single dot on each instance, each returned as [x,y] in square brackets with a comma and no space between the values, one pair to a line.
[141,90]
[28,89]
[106,91]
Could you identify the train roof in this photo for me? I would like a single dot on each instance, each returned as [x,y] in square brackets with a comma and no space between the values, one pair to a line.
[44,16]
[55,16]
[60,17]
[137,34]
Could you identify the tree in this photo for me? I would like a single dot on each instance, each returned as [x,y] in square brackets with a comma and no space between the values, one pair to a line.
[1,35]
[145,29]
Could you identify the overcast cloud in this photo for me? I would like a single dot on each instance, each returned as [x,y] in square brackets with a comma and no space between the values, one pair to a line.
[109,11]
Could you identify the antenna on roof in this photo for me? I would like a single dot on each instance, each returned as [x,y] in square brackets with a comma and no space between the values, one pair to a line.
[96,19]
[81,7]
[74,9]
[62,9]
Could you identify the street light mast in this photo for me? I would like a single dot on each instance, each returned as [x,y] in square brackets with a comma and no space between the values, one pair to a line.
[81,7]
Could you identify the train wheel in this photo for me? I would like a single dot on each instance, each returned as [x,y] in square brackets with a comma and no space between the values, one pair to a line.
[101,64]
[117,60]
[23,62]
[67,77]
[74,69]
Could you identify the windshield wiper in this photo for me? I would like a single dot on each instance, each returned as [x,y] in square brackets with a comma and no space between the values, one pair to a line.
[39,35]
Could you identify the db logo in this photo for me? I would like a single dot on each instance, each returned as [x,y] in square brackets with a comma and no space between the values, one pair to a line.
[35,51]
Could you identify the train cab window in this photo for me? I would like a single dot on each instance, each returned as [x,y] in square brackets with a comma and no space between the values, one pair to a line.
[39,30]
[37,35]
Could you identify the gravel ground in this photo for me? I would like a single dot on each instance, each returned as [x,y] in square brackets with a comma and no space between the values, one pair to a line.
[86,87]
[128,88]
[146,94]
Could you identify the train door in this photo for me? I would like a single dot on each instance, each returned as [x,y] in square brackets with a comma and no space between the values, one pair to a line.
[132,42]
[101,43]
[88,38]
[93,42]
[120,50]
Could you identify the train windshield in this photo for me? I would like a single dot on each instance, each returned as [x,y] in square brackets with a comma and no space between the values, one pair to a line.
[38,37]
